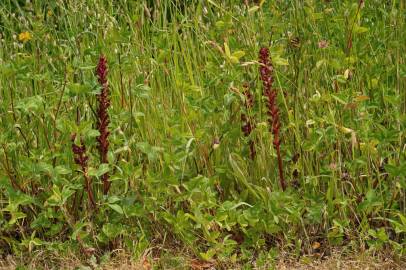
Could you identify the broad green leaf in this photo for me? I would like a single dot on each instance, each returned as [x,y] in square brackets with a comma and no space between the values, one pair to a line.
[280,61]
[112,230]
[62,170]
[360,29]
[103,168]
[238,54]
[116,208]
[135,210]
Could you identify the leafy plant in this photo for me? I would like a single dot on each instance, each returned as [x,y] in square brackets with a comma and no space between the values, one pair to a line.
[180,147]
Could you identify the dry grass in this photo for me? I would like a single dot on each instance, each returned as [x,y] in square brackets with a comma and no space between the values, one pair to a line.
[123,261]
[52,261]
[343,263]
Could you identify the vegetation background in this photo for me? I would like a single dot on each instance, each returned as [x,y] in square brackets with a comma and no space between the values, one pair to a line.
[186,190]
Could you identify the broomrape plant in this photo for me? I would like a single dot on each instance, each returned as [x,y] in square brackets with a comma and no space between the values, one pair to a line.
[266,73]
[103,118]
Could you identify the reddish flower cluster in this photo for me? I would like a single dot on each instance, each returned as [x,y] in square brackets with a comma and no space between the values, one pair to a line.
[266,72]
[81,159]
[103,118]
[247,122]
[80,154]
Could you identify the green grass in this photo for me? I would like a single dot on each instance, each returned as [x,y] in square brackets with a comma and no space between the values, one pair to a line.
[182,177]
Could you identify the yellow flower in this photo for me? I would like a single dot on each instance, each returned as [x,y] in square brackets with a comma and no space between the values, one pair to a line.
[24,36]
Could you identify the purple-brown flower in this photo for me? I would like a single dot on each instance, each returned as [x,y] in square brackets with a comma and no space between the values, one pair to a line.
[103,117]
[80,157]
[266,73]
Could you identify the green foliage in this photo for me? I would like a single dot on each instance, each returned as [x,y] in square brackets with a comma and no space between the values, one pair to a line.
[178,161]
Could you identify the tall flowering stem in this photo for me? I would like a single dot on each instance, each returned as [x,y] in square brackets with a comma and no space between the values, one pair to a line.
[81,159]
[103,118]
[266,73]
[247,122]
